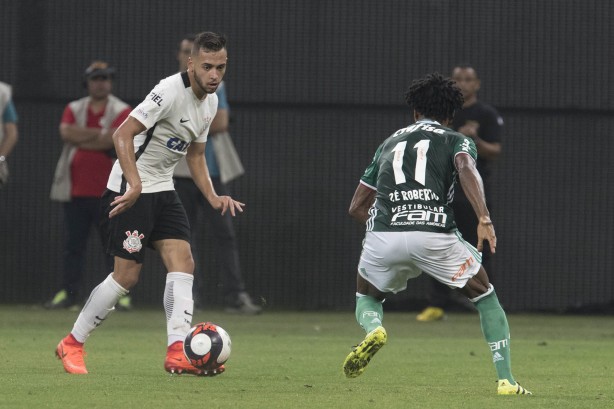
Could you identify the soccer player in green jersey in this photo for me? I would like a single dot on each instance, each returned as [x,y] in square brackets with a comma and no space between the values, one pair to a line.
[404,199]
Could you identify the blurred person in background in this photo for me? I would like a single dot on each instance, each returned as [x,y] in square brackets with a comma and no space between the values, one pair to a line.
[220,158]
[8,130]
[483,124]
[86,128]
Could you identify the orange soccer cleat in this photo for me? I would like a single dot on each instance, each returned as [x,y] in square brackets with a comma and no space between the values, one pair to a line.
[70,351]
[176,362]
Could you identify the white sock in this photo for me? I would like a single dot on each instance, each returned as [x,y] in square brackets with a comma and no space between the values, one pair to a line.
[179,305]
[100,304]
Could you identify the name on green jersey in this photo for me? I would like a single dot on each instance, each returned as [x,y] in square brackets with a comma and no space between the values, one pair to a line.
[414,194]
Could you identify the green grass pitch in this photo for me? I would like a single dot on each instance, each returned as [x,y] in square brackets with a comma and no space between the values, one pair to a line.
[293,360]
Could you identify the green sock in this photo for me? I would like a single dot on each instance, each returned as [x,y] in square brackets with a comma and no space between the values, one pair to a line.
[369,312]
[497,334]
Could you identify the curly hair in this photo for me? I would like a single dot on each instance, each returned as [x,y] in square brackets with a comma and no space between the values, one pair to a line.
[435,97]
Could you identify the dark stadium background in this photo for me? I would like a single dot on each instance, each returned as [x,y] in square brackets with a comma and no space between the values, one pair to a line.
[314,87]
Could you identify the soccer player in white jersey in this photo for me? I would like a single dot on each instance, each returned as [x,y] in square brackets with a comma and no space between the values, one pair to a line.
[404,199]
[141,207]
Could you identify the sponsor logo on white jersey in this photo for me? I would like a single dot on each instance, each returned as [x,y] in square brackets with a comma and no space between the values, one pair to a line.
[176,144]
[156,98]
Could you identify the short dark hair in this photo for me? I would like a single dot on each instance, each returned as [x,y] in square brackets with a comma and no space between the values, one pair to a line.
[466,66]
[208,41]
[435,97]
[188,37]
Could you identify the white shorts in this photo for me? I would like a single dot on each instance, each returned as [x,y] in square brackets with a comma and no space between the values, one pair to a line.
[389,259]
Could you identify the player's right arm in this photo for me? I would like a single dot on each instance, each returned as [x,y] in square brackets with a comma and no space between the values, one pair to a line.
[363,199]
[123,139]
[364,196]
[156,106]
[472,184]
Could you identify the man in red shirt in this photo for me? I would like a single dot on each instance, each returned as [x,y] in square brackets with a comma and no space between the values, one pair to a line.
[86,128]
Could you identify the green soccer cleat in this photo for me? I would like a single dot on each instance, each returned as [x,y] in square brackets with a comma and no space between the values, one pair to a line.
[356,362]
[504,387]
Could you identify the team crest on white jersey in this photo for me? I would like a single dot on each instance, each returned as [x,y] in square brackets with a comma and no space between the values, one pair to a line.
[207,120]
[133,243]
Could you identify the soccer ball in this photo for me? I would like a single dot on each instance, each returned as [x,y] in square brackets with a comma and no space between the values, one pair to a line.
[207,346]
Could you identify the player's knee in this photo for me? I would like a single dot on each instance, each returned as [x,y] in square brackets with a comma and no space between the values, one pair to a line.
[190,264]
[126,278]
[131,282]
[482,293]
[186,263]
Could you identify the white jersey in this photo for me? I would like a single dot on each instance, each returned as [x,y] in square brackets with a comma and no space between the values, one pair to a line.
[174,118]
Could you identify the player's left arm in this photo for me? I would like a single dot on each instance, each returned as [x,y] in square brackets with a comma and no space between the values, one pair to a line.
[473,186]
[197,164]
[363,199]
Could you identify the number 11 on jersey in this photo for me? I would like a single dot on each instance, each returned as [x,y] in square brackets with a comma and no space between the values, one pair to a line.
[397,163]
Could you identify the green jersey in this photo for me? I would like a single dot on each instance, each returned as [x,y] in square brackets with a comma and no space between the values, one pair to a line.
[414,174]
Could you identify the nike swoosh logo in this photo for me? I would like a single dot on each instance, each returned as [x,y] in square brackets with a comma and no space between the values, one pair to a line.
[183,120]
[97,324]
[186,312]
[178,359]
[62,353]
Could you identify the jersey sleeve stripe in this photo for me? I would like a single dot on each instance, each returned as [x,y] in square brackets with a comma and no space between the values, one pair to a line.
[138,154]
[367,185]
[459,153]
